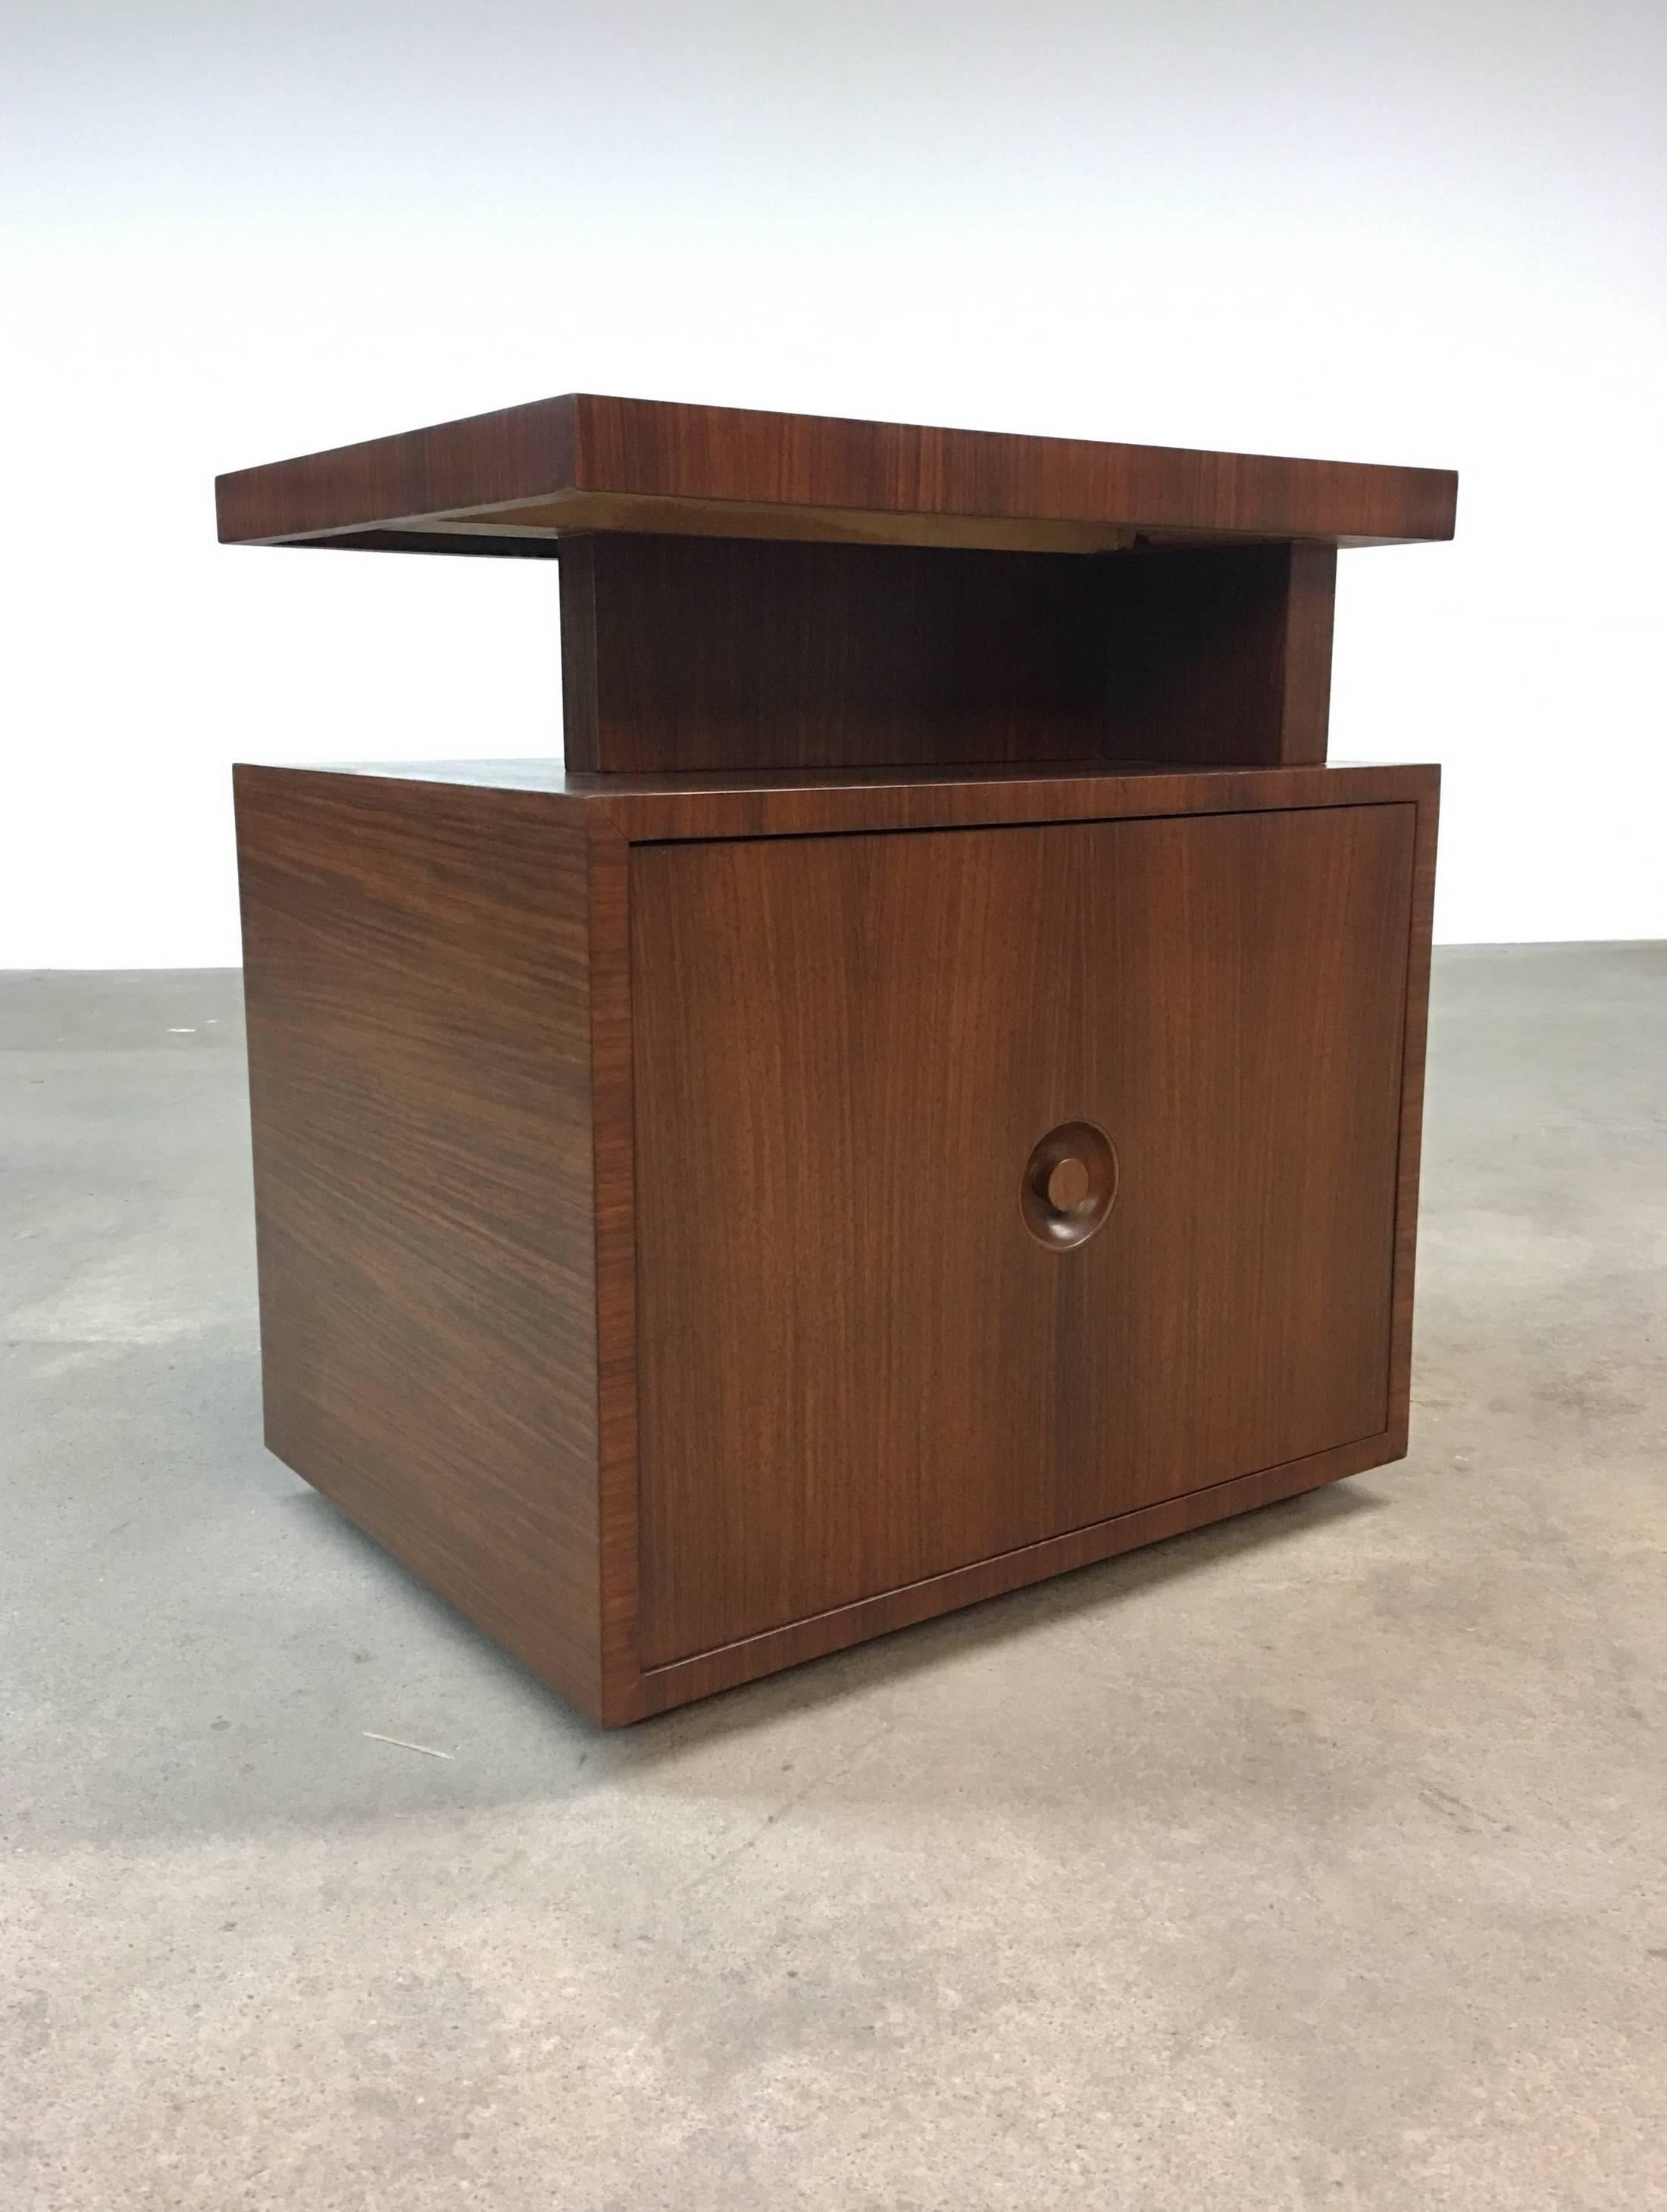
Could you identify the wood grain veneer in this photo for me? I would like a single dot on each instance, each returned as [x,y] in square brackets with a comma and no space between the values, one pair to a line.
[928,1096]
[536,1092]
[586,462]
[694,653]
[1410,1135]
[732,1664]
[645,808]
[689,654]
[1222,655]
[857,1368]
[418,966]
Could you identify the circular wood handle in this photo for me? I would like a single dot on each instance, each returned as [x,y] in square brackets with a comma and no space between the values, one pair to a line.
[1070,1183]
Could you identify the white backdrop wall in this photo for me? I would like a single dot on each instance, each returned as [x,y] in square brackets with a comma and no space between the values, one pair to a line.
[1425,233]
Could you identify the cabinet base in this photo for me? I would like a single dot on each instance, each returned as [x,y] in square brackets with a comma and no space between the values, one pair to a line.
[500,1243]
[731,1664]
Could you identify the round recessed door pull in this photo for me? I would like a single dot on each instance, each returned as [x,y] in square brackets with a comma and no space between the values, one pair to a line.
[1069,1182]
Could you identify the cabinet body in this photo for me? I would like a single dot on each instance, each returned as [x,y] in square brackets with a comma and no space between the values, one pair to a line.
[653,1250]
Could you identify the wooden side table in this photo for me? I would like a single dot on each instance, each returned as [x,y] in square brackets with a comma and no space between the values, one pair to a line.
[929,1096]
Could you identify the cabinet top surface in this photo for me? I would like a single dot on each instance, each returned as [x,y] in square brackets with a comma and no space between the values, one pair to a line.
[549,775]
[515,481]
[811,802]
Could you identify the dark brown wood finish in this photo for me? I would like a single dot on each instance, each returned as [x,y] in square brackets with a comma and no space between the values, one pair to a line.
[928,1096]
[800,802]
[417,965]
[846,1050]
[492,1230]
[585,462]
[1410,1135]
[691,654]
[1307,614]
[614,1155]
[647,809]
[696,654]
[726,1669]
[1222,656]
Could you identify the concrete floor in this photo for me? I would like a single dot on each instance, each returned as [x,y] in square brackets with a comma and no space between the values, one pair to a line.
[1315,1860]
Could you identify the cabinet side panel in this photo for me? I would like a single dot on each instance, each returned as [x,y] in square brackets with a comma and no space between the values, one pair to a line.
[1415,1034]
[1310,608]
[1222,655]
[417,977]
[580,718]
[614,1214]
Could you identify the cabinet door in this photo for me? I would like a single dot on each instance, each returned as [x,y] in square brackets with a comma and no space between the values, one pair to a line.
[860,1362]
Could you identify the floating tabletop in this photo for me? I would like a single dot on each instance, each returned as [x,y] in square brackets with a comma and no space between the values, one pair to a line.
[517,481]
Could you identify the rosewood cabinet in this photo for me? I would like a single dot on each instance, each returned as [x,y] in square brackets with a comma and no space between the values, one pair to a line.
[927,1097]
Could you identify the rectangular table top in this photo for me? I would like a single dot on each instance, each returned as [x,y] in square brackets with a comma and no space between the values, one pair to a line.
[516,481]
